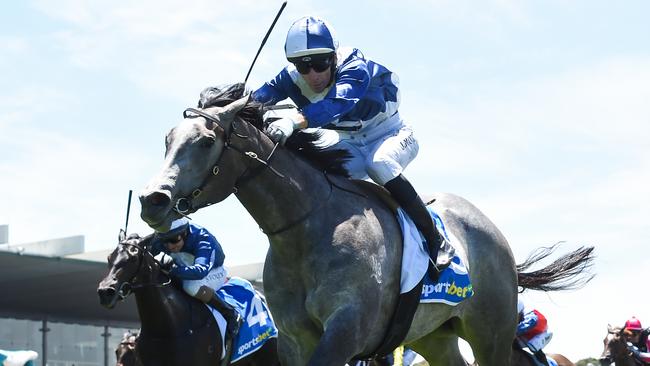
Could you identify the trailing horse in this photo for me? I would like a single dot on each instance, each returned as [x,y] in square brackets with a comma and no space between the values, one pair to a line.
[125,353]
[615,350]
[332,272]
[176,329]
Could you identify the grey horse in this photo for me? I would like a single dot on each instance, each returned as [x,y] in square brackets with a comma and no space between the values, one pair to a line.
[332,271]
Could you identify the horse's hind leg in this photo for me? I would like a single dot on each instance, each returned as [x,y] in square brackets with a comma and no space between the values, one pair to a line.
[439,350]
[491,346]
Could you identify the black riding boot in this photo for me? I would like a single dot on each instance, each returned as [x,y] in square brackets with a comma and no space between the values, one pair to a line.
[233,318]
[440,251]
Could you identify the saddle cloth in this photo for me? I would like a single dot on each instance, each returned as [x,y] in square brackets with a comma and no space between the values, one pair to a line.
[453,285]
[258,326]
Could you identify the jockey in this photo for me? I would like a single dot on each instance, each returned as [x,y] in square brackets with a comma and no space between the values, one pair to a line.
[637,339]
[203,273]
[355,100]
[532,331]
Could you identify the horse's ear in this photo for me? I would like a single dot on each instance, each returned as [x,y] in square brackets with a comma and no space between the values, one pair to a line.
[610,329]
[122,236]
[227,114]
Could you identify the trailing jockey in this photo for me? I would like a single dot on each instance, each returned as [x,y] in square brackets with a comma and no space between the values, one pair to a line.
[202,271]
[532,331]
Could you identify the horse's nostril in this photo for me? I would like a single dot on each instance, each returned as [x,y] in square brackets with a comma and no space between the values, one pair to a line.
[158,199]
[105,294]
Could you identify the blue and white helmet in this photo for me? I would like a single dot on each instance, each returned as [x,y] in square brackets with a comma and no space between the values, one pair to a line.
[310,36]
[178,227]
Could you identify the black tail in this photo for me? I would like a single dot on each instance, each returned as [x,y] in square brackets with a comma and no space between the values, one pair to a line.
[569,272]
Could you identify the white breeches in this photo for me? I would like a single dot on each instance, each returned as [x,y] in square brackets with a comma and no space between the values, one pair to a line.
[381,153]
[215,279]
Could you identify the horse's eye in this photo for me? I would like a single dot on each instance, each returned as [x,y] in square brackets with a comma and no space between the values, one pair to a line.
[133,250]
[207,142]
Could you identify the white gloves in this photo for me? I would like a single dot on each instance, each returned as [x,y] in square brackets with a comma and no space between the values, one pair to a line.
[166,261]
[280,130]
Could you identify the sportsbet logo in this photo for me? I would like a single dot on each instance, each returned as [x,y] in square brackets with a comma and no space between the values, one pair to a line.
[255,341]
[448,288]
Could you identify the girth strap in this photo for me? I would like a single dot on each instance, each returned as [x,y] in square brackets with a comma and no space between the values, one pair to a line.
[407,304]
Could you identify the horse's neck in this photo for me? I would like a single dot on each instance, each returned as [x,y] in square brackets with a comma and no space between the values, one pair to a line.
[275,202]
[621,358]
[161,312]
[152,312]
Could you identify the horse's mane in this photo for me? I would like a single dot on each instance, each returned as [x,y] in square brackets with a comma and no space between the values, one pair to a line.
[142,241]
[301,142]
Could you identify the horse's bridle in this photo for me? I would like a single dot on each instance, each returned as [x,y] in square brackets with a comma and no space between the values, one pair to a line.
[127,287]
[184,205]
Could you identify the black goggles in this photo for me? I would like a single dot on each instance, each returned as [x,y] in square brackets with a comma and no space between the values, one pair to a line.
[304,64]
[172,239]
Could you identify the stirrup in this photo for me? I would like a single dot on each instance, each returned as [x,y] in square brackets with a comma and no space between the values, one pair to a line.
[237,323]
[445,255]
[228,343]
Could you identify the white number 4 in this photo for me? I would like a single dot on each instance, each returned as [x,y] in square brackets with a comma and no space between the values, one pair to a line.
[257,313]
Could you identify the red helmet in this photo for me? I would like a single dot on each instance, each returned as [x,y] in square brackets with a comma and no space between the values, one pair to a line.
[633,324]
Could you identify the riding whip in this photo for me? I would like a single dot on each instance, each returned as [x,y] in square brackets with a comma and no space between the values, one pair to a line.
[128,210]
[264,40]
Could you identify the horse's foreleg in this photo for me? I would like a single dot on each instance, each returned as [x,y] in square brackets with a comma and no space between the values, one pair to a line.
[294,351]
[341,338]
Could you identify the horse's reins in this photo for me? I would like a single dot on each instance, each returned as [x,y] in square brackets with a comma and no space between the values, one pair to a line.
[184,204]
[132,286]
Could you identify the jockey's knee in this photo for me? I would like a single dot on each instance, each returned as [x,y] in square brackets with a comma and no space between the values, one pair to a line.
[382,170]
[191,287]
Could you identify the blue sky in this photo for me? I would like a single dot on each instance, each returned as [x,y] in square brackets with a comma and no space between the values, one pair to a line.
[537,112]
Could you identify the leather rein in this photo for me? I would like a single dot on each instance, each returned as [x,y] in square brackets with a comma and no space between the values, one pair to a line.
[127,287]
[185,205]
